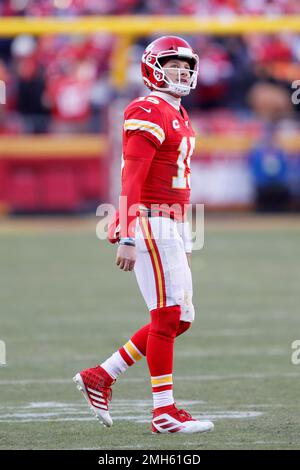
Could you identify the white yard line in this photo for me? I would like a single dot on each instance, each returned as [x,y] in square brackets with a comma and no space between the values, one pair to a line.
[215,377]
[122,410]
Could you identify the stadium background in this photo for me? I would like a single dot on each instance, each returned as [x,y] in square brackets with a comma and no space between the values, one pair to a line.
[69,69]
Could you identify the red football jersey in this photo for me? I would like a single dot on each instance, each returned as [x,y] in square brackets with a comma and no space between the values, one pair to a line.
[170,130]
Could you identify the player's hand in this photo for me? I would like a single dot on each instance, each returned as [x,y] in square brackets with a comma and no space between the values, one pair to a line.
[189,259]
[126,256]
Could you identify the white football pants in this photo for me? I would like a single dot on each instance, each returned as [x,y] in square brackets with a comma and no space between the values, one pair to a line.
[161,267]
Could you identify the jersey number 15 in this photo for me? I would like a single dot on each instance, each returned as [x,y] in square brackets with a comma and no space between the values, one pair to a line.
[183,178]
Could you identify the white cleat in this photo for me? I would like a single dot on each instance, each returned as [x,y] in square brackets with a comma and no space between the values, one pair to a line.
[96,393]
[169,419]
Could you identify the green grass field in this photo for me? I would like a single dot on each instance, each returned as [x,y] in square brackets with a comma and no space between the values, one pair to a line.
[65,306]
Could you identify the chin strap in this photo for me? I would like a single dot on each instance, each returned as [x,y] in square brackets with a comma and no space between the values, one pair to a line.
[180,91]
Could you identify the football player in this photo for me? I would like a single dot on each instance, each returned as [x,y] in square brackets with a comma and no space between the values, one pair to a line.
[158,142]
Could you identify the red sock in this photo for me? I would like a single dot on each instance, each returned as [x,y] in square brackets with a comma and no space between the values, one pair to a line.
[133,351]
[183,326]
[135,348]
[140,338]
[160,345]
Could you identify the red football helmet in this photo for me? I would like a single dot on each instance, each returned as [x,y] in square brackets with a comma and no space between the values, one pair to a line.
[155,76]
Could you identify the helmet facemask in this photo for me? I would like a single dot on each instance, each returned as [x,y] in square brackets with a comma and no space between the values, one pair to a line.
[177,85]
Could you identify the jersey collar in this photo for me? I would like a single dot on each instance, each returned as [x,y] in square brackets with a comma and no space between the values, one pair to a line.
[172,100]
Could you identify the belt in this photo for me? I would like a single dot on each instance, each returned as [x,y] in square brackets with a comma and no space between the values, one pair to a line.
[155,213]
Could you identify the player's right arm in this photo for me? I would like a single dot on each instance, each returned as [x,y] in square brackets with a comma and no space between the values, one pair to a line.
[138,157]
[144,133]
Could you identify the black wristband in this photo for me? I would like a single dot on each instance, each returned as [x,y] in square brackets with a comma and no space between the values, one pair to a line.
[127,241]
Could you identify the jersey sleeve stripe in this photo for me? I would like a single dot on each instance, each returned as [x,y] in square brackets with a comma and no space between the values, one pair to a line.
[134,124]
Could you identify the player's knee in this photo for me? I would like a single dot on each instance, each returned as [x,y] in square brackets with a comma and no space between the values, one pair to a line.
[183,327]
[187,311]
[165,321]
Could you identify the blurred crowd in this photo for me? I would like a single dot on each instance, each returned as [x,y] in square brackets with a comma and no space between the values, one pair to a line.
[55,83]
[64,83]
[118,7]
